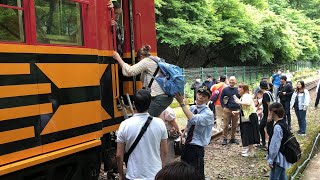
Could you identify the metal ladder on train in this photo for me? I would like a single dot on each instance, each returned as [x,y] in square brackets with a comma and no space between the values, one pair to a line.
[124,107]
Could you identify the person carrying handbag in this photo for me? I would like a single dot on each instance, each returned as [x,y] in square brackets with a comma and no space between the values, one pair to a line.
[249,127]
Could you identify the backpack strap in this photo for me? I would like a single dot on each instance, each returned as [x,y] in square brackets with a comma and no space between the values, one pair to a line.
[286,132]
[270,96]
[155,73]
[143,130]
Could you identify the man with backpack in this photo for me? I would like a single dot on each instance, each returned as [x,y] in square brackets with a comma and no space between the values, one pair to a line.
[216,90]
[285,93]
[283,149]
[267,99]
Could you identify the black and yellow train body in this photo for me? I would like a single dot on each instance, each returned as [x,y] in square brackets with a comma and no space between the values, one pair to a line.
[58,105]
[54,105]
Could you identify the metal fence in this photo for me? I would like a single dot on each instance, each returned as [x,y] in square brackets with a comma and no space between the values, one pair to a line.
[246,74]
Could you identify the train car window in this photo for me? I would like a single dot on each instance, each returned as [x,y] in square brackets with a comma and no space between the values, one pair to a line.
[59,22]
[11,21]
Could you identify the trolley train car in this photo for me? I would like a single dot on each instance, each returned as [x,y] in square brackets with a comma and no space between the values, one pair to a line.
[59,85]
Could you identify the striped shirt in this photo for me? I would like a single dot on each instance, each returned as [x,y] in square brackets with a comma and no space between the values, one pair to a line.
[146,67]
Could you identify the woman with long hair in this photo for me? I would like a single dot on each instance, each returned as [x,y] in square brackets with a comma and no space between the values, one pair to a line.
[248,122]
[147,67]
[300,101]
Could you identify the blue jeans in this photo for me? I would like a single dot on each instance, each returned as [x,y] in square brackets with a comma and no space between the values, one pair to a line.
[278,173]
[301,115]
[158,104]
[275,93]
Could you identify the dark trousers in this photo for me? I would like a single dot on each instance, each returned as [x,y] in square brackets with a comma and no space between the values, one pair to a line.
[262,125]
[194,156]
[287,117]
[317,99]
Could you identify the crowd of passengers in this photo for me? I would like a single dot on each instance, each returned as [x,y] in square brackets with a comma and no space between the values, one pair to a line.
[217,106]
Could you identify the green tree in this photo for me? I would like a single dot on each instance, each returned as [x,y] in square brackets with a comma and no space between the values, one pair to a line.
[235,31]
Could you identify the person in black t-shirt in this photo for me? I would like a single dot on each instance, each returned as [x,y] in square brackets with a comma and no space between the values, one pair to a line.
[266,100]
[285,93]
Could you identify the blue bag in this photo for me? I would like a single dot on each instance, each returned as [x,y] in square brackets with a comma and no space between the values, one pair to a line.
[171,80]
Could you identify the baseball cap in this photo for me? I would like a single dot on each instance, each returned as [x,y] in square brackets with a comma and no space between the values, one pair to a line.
[204,90]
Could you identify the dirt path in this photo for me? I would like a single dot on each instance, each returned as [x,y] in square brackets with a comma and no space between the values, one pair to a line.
[312,171]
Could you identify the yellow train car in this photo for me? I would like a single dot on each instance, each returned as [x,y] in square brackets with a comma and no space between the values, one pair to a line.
[59,85]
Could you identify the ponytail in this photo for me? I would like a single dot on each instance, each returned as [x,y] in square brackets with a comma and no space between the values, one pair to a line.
[144,51]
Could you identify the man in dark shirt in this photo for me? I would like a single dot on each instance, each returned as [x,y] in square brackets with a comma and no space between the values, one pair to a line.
[267,99]
[285,93]
[208,82]
[228,104]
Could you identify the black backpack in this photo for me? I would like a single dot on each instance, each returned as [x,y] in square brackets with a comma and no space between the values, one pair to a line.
[290,147]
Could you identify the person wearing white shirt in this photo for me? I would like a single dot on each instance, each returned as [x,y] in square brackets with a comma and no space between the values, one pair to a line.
[300,102]
[289,76]
[149,155]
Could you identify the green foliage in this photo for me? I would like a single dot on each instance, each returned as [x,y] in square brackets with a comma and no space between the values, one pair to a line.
[260,4]
[11,25]
[180,23]
[263,31]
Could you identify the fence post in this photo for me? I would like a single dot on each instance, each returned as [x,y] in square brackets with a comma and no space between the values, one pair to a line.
[243,73]
[201,74]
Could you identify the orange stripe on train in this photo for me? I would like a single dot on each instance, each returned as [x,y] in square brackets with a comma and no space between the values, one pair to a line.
[16,135]
[14,68]
[74,115]
[25,111]
[68,75]
[24,90]
[20,48]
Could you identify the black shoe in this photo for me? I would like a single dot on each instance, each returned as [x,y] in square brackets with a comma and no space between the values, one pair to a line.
[233,141]
[224,142]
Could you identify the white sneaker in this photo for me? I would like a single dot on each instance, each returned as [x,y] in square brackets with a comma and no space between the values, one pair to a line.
[244,150]
[245,154]
[248,154]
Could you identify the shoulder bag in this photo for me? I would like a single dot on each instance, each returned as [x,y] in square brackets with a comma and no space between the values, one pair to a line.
[143,130]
